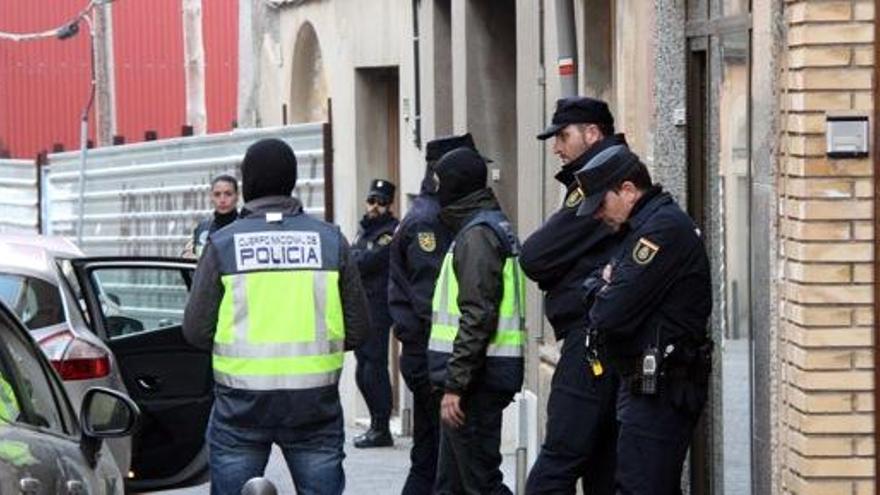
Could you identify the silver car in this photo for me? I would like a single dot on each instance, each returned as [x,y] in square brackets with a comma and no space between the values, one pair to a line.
[116,323]
[43,448]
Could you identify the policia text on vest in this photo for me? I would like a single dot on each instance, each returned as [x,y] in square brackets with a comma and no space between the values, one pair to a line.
[273,250]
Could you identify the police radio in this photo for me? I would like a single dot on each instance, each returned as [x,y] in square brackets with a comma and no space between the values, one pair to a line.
[650,361]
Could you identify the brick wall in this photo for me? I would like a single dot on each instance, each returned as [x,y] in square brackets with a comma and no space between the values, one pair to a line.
[826,209]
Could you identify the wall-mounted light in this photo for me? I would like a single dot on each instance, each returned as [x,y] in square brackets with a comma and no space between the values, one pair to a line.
[847,136]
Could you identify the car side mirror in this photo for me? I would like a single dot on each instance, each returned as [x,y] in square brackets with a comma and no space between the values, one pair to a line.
[105,413]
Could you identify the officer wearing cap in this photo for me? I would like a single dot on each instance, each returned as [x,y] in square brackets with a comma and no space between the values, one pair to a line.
[649,319]
[581,429]
[475,350]
[276,298]
[417,251]
[370,251]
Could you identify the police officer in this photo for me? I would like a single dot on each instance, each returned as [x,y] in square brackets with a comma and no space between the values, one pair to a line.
[370,252]
[581,428]
[417,252]
[224,197]
[475,350]
[649,319]
[277,299]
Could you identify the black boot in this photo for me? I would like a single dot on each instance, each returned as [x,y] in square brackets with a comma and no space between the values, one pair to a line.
[379,435]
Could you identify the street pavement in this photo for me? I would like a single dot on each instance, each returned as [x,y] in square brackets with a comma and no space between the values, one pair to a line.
[383,471]
[367,471]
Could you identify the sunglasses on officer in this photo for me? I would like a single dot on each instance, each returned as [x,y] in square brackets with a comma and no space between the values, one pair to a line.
[374,200]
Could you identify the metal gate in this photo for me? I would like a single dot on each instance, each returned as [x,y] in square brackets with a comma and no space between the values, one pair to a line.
[146,198]
[19,201]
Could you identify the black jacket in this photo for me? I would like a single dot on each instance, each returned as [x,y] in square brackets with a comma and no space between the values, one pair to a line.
[567,248]
[660,289]
[417,251]
[209,226]
[478,264]
[370,251]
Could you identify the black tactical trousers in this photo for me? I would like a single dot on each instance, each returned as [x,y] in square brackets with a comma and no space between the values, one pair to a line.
[581,434]
[470,456]
[426,421]
[655,431]
[371,374]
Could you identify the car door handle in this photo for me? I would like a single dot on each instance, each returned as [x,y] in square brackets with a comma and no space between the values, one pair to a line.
[148,383]
[75,487]
[29,485]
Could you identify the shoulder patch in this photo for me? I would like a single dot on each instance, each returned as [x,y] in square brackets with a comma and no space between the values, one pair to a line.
[644,251]
[427,241]
[384,240]
[574,198]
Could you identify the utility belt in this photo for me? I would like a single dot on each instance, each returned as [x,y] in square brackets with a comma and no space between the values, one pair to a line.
[683,360]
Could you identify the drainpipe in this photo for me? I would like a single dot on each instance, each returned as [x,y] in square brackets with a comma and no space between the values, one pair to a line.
[876,169]
[417,132]
[567,48]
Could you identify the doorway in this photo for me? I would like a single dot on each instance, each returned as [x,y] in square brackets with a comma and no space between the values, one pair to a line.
[377,97]
[720,189]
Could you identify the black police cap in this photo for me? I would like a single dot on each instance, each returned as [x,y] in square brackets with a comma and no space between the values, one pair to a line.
[382,189]
[601,173]
[578,110]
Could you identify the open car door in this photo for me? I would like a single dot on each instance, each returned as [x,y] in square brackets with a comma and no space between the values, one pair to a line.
[136,306]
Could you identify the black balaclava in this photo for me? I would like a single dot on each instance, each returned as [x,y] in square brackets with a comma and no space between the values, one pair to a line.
[461,172]
[268,169]
[435,149]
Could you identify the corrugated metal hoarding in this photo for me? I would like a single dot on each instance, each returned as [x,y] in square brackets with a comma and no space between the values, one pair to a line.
[145,198]
[19,201]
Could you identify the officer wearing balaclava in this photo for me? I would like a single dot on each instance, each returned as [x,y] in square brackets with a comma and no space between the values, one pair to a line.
[476,345]
[276,299]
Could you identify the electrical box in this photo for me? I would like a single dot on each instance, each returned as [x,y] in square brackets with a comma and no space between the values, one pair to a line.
[847,136]
[679,117]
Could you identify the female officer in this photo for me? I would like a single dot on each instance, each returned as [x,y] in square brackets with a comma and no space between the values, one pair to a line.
[224,197]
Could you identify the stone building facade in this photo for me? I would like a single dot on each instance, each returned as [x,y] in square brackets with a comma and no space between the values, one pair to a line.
[725,100]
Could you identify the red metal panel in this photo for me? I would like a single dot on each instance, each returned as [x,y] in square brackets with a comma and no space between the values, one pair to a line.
[43,84]
[220,35]
[150,80]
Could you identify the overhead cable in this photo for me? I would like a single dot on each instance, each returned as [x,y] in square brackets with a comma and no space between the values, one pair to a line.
[66,29]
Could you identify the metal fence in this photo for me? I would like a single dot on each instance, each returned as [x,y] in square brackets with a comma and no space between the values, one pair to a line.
[146,198]
[19,196]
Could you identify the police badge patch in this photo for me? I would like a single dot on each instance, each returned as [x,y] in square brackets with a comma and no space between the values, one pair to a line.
[644,251]
[574,198]
[384,240]
[427,242]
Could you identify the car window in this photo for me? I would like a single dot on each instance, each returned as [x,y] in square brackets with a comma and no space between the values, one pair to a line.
[26,382]
[140,299]
[36,302]
[68,274]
